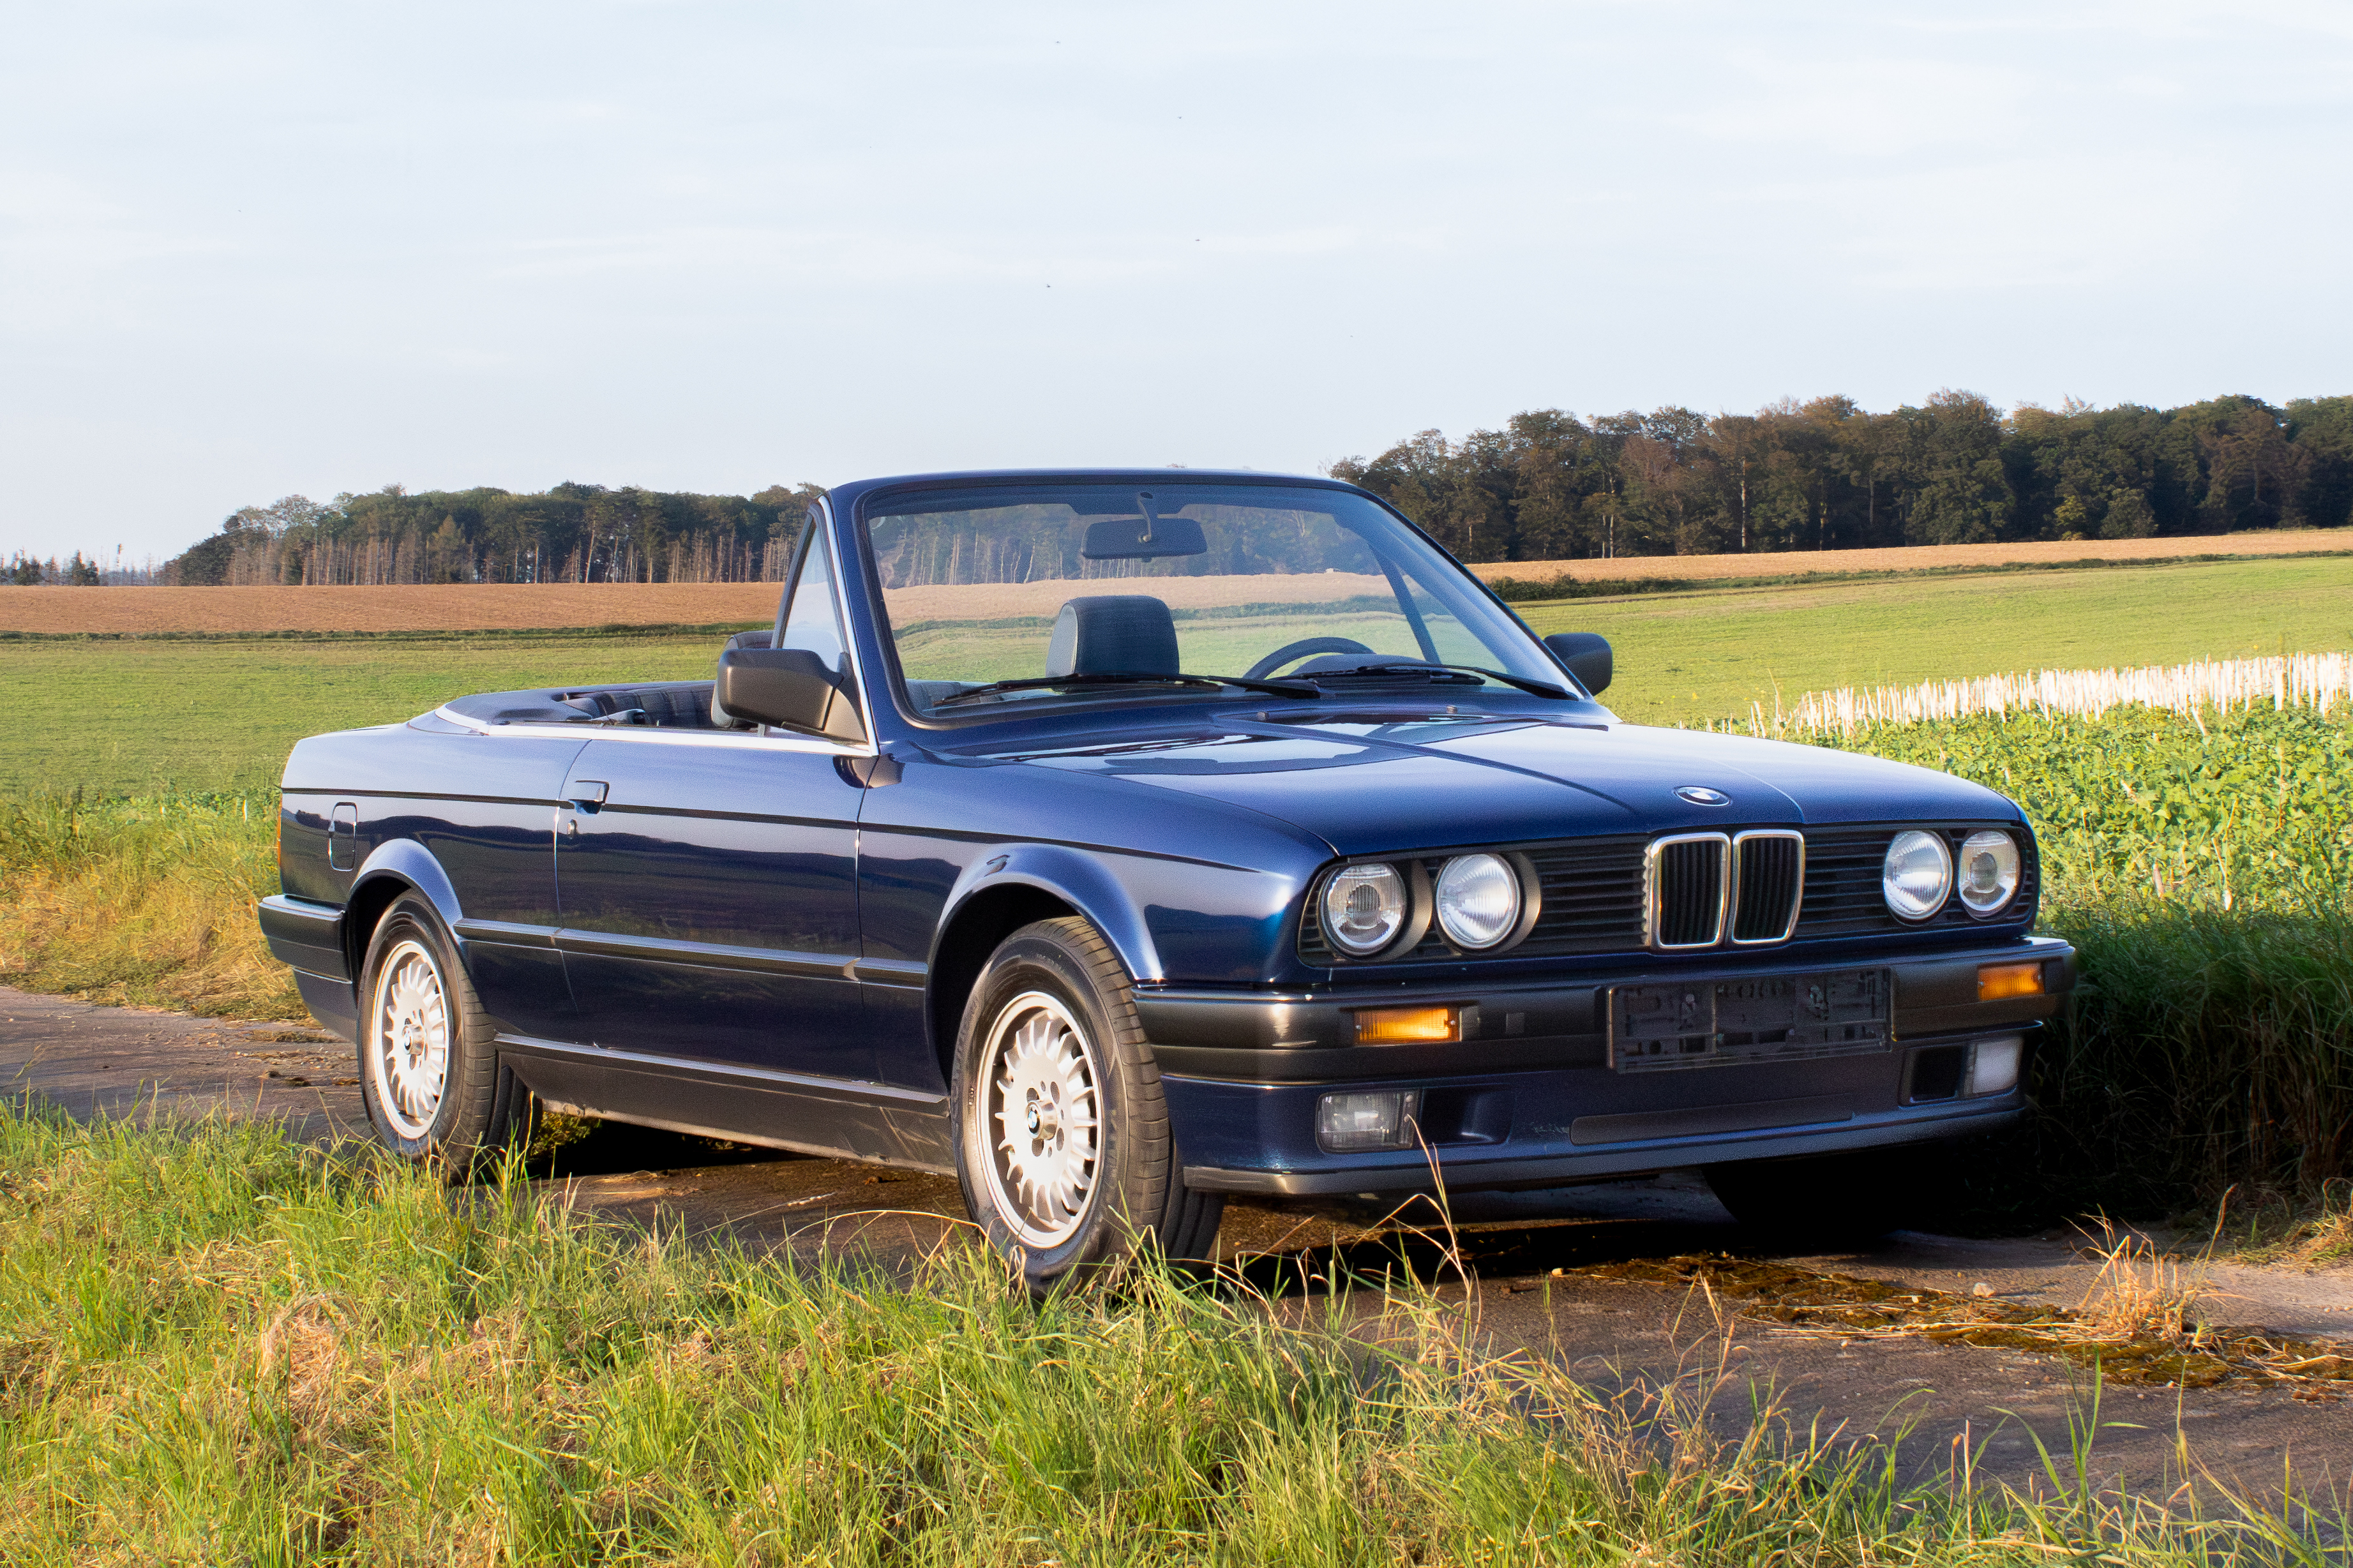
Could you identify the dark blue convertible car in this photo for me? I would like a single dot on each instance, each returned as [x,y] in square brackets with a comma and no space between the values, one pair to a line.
[1120,840]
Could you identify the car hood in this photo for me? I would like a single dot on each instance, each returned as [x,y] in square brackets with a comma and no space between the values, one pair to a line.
[1370,783]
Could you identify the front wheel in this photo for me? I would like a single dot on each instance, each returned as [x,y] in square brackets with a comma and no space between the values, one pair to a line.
[429,1073]
[1064,1146]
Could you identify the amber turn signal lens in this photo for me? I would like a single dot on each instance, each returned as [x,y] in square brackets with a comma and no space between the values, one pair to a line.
[1405,1025]
[1997,982]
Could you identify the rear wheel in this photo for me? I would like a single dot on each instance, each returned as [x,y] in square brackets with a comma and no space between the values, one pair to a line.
[1832,1199]
[1064,1146]
[429,1072]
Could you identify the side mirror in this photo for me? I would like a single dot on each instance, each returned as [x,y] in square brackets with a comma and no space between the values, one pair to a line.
[789,687]
[1587,654]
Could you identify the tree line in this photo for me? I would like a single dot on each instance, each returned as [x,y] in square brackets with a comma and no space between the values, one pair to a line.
[571,534]
[77,571]
[1823,475]
[1830,475]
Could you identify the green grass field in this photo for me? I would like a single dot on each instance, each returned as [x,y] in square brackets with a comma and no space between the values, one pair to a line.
[110,716]
[1691,658]
[114,717]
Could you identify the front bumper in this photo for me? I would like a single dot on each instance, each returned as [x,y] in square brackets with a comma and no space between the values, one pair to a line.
[1527,1098]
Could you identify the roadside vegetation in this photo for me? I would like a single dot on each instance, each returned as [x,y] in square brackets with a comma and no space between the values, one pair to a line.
[146,900]
[228,1348]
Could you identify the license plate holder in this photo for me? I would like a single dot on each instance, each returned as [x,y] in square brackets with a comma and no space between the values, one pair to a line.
[1725,1021]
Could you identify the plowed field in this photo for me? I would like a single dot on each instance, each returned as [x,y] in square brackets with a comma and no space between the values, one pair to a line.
[462,608]
[1925,557]
[504,606]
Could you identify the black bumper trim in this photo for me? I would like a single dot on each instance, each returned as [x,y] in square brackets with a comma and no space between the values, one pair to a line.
[1706,1121]
[309,937]
[1606,1164]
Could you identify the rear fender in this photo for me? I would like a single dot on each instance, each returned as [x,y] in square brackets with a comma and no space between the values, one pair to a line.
[397,864]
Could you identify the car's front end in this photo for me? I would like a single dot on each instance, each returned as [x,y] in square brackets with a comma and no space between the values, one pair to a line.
[1724,949]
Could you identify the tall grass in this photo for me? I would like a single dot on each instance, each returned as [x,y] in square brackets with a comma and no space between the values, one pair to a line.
[148,900]
[225,1348]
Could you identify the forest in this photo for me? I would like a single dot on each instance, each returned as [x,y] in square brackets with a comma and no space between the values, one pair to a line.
[1829,475]
[1822,475]
[571,534]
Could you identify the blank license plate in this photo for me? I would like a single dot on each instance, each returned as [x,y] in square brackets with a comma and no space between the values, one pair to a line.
[1767,1018]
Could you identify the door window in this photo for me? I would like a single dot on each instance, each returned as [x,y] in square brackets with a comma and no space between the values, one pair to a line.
[812,618]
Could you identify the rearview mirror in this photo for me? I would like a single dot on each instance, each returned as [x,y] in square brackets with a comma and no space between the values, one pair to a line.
[789,687]
[1143,539]
[1587,654]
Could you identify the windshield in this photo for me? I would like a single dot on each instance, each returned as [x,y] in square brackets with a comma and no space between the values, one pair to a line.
[1075,587]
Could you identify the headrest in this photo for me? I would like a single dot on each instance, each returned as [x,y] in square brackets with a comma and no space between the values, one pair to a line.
[1127,634]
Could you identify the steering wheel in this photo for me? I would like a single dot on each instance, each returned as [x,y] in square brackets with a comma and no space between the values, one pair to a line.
[1301,649]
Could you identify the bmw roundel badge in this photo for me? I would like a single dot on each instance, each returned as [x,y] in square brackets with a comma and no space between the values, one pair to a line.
[1700,794]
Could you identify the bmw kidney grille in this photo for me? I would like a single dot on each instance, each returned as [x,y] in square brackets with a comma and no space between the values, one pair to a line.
[1702,887]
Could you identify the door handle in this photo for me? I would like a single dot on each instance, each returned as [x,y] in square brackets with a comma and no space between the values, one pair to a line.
[583,794]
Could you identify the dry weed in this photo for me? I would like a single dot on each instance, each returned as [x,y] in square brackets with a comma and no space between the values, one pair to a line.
[2127,1342]
[2142,1292]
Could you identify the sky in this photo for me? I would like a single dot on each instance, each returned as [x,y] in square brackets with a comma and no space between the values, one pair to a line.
[250,251]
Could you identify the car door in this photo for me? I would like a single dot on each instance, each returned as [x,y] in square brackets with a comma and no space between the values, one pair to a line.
[706,881]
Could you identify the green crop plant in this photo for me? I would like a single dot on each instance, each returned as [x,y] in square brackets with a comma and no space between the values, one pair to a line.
[2203,867]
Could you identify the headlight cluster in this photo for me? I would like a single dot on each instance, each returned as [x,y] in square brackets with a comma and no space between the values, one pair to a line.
[1477,900]
[1919,873]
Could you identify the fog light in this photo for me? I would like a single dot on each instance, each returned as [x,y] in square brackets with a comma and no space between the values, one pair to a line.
[1383,1120]
[1998,982]
[1993,1065]
[1405,1025]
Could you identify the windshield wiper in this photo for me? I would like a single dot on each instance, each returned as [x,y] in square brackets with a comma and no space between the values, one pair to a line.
[1541,688]
[1125,678]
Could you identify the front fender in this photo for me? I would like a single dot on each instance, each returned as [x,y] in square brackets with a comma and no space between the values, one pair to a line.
[1076,878]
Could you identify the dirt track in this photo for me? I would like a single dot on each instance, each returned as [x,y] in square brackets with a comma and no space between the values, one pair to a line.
[477,606]
[500,606]
[1539,1263]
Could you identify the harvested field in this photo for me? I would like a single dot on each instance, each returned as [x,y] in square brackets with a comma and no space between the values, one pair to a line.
[511,606]
[464,606]
[1925,557]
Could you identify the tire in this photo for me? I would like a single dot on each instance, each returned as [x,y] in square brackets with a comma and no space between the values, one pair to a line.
[1832,1199]
[1051,1036]
[428,1070]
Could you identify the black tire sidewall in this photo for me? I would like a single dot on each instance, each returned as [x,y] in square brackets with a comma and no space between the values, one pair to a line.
[411,917]
[1127,1193]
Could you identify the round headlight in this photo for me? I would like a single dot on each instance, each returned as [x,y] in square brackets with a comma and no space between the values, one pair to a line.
[1478,900]
[1364,908]
[1989,871]
[1917,875]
